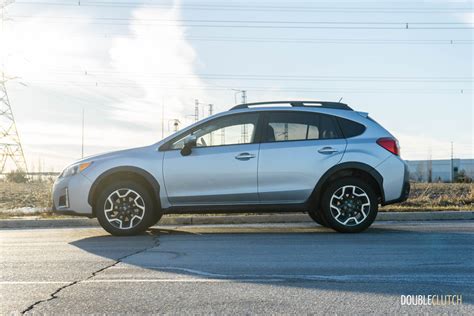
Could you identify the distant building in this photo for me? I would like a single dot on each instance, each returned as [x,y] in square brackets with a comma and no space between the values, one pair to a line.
[439,170]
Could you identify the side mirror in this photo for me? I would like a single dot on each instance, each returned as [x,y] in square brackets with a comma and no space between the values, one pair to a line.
[189,143]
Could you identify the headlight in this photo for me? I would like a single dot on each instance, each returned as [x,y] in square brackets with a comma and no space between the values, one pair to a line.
[75,169]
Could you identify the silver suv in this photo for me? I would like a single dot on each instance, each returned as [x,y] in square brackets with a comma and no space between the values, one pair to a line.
[282,156]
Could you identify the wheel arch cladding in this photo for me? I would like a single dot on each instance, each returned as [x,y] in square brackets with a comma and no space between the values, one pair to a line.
[347,169]
[139,175]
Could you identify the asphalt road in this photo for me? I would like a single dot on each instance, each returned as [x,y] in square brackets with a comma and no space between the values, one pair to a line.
[283,269]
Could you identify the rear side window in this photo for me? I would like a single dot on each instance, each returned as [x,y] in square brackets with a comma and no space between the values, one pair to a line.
[290,126]
[350,128]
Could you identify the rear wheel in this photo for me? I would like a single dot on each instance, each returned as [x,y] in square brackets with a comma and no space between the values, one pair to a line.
[125,208]
[157,217]
[350,205]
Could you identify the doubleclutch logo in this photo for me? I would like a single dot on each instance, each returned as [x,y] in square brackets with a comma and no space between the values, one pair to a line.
[435,300]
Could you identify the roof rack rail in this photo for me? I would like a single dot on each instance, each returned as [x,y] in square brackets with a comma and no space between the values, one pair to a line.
[322,104]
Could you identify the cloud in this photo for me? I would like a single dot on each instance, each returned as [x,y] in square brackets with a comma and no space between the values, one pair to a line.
[61,63]
[147,58]
[34,48]
[467,18]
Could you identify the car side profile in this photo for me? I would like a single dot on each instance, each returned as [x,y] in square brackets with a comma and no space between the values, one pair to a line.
[319,157]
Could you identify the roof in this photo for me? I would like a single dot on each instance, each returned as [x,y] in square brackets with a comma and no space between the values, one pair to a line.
[322,104]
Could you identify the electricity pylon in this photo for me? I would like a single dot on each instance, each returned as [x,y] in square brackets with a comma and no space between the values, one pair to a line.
[11,150]
[10,144]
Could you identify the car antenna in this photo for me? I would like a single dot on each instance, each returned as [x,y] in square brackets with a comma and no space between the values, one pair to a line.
[340,100]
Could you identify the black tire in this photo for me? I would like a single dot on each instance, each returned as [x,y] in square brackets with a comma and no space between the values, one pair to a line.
[350,205]
[127,209]
[157,217]
[318,218]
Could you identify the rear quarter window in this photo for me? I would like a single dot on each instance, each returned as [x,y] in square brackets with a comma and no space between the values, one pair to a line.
[350,128]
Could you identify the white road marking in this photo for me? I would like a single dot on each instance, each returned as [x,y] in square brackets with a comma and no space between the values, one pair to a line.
[32,282]
[192,280]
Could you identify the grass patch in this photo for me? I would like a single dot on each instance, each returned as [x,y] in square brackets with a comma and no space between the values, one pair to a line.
[436,197]
[25,195]
[34,199]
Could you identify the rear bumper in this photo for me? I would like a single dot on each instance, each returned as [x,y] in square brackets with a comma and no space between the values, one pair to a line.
[405,189]
[403,197]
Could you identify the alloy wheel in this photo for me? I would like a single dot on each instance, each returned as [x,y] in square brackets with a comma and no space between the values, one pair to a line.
[350,205]
[124,208]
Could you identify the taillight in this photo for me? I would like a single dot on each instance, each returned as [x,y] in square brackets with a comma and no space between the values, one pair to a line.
[389,144]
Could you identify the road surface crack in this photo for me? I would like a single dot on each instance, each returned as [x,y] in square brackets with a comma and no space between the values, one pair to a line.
[54,295]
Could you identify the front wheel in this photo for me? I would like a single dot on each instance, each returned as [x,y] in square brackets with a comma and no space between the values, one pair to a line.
[125,208]
[317,217]
[350,205]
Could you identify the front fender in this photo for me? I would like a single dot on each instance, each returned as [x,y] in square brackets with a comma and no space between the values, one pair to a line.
[132,169]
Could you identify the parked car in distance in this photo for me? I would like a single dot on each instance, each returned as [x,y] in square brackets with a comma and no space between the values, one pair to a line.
[319,157]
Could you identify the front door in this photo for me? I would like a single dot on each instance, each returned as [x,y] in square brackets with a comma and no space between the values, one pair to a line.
[221,169]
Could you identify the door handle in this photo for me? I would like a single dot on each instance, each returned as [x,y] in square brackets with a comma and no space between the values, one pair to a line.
[245,156]
[327,150]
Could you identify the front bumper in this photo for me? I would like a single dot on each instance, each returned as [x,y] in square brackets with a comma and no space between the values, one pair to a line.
[70,196]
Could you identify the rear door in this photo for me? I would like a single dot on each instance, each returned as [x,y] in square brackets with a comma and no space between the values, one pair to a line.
[297,148]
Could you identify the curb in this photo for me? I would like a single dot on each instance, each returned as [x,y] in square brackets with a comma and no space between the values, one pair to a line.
[235,219]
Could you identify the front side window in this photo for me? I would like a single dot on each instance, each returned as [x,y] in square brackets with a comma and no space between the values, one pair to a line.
[289,126]
[229,130]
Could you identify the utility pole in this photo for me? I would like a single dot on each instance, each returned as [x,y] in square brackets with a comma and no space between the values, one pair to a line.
[82,143]
[211,109]
[452,162]
[244,126]
[211,140]
[162,118]
[196,110]
[430,167]
[244,96]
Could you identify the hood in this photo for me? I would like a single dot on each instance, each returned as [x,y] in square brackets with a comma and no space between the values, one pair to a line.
[115,153]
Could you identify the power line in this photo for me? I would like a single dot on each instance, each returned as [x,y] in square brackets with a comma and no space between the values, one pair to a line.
[331,41]
[342,41]
[370,90]
[400,27]
[232,21]
[294,7]
[268,77]
[267,24]
[265,40]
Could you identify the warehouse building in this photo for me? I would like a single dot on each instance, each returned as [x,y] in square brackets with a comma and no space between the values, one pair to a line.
[443,170]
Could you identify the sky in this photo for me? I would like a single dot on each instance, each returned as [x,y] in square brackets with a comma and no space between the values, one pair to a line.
[134,67]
